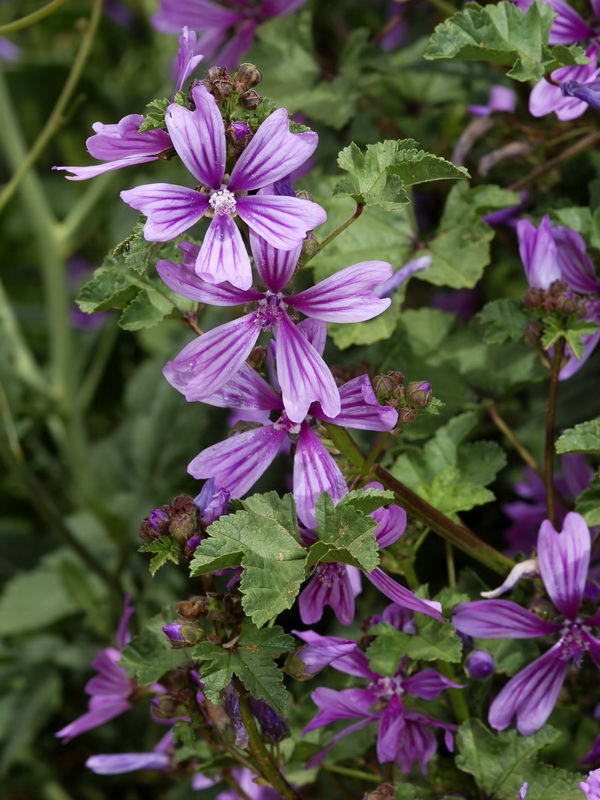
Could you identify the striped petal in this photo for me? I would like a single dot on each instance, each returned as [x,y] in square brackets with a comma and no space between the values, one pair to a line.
[170,209]
[246,390]
[85,173]
[315,472]
[199,137]
[272,154]
[274,266]
[302,374]
[564,559]
[209,362]
[402,596]
[346,296]
[360,408]
[201,15]
[500,619]
[238,462]
[223,256]
[282,221]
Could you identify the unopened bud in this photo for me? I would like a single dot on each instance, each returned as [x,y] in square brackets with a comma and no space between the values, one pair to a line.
[214,73]
[480,664]
[310,248]
[183,634]
[257,358]
[388,386]
[406,416]
[248,76]
[418,394]
[240,130]
[272,725]
[533,334]
[383,792]
[302,194]
[250,100]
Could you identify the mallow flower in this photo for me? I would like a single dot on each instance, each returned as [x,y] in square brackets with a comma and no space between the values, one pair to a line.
[404,734]
[556,253]
[547,97]
[591,786]
[121,145]
[226,33]
[110,689]
[205,365]
[530,696]
[198,137]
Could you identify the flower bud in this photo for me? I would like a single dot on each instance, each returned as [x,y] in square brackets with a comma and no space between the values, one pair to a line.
[310,248]
[418,394]
[383,792]
[250,100]
[480,664]
[248,76]
[302,194]
[240,130]
[183,634]
[272,726]
[406,416]
[257,357]
[388,386]
[155,525]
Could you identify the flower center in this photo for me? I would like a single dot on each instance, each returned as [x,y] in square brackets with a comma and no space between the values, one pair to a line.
[270,311]
[386,688]
[222,202]
[330,574]
[573,642]
[286,424]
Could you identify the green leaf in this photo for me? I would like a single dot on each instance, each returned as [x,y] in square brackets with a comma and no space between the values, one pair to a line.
[434,641]
[502,34]
[583,438]
[149,655]
[504,320]
[137,252]
[145,310]
[500,762]
[166,549]
[588,503]
[366,500]
[109,288]
[155,118]
[569,329]
[345,536]
[33,600]
[378,175]
[264,540]
[480,462]
[251,659]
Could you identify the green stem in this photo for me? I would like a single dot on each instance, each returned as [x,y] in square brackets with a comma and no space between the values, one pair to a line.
[446,8]
[24,365]
[346,224]
[32,18]
[265,763]
[576,148]
[55,120]
[450,565]
[352,773]
[457,696]
[106,341]
[453,532]
[549,445]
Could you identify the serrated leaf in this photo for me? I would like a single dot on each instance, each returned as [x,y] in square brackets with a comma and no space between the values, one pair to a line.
[416,166]
[366,500]
[588,502]
[251,659]
[571,330]
[166,549]
[480,462]
[501,762]
[450,495]
[136,251]
[155,117]
[504,320]
[502,34]
[109,288]
[149,655]
[583,438]
[345,536]
[264,540]
[434,641]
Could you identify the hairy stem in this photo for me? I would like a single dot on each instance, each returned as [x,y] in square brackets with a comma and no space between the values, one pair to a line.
[576,148]
[453,532]
[346,224]
[55,120]
[503,426]
[264,761]
[549,445]
[31,19]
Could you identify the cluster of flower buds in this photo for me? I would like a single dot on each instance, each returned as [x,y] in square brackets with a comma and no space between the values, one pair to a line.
[178,519]
[224,86]
[557,299]
[408,400]
[213,606]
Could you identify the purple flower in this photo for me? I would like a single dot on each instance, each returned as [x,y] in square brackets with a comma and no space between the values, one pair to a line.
[591,786]
[121,145]
[209,362]
[321,651]
[501,99]
[588,93]
[227,32]
[523,791]
[8,51]
[480,664]
[199,138]
[545,97]
[404,735]
[568,27]
[531,694]
[246,781]
[110,689]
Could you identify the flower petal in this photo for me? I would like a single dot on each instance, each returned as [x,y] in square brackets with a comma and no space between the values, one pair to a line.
[315,472]
[170,209]
[428,683]
[577,268]
[538,252]
[207,363]
[499,619]
[282,221]
[346,704]
[85,173]
[199,137]
[564,559]
[321,651]
[118,763]
[346,296]
[274,266]
[182,279]
[223,256]
[187,61]
[93,719]
[403,597]
[273,153]
[391,524]
[391,730]
[238,462]
[360,408]
[531,694]
[302,374]
[201,15]
[246,390]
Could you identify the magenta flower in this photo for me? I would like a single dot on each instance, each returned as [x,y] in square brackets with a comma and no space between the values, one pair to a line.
[238,462]
[110,689]
[546,98]
[205,365]
[199,138]
[321,651]
[587,93]
[121,145]
[501,99]
[404,735]
[226,32]
[591,786]
[531,694]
